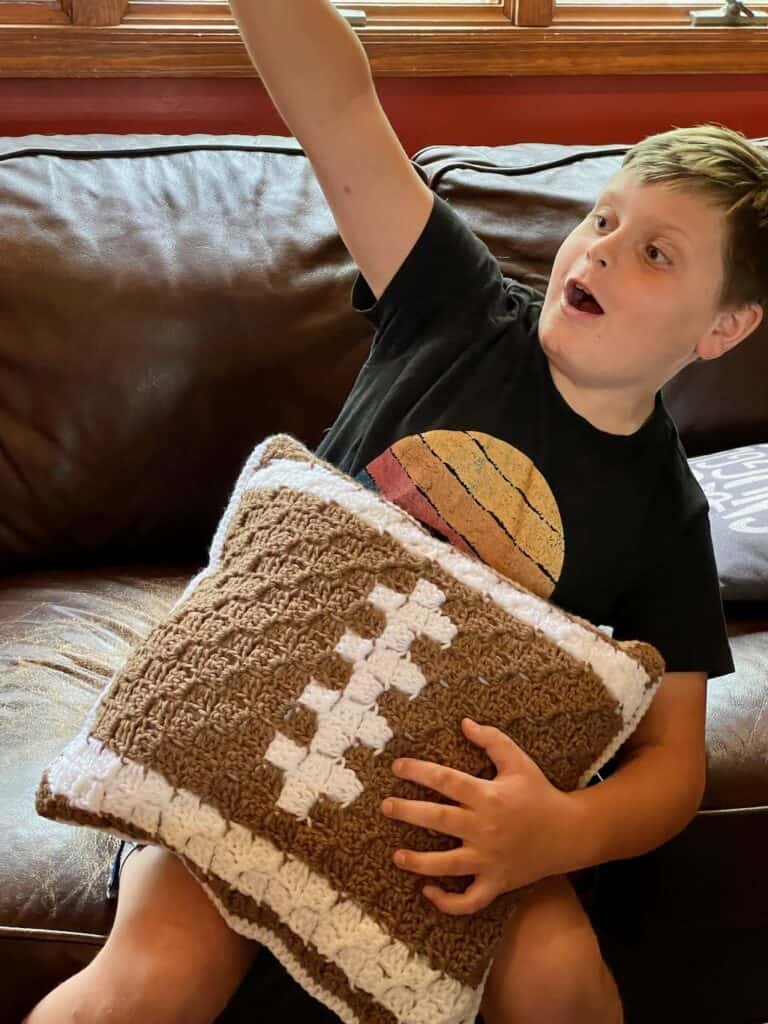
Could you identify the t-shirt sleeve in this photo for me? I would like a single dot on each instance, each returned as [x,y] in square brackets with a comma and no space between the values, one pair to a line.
[678,608]
[449,277]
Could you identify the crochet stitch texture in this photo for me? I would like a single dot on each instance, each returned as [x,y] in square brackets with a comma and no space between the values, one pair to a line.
[253,732]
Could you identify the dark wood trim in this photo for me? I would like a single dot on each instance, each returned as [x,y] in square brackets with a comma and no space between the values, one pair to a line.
[158,40]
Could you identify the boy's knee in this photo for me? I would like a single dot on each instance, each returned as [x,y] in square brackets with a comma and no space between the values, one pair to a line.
[548,980]
[169,938]
[570,959]
[101,993]
[566,964]
[148,986]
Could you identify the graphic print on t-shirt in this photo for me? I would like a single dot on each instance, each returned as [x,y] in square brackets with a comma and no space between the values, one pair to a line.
[483,495]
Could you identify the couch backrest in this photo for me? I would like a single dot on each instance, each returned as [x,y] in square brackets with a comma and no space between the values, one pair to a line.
[167,301]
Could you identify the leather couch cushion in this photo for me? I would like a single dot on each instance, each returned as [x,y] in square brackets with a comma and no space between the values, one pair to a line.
[62,636]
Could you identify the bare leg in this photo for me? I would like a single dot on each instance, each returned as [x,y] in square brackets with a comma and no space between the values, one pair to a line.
[548,968]
[170,956]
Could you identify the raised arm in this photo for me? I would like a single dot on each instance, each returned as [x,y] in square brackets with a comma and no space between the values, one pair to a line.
[318,77]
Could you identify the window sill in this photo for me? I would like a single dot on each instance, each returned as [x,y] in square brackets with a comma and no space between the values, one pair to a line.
[213,48]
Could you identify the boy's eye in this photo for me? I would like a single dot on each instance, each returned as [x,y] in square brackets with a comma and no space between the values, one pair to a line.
[655,248]
[651,248]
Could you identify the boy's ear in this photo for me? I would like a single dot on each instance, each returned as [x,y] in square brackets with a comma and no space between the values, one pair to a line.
[730,327]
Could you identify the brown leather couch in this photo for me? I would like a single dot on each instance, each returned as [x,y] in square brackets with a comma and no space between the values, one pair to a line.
[167,301]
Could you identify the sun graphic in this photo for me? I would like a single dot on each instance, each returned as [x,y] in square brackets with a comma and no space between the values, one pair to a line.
[483,495]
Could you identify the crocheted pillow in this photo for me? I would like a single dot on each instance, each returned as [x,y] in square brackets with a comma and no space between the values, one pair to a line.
[253,732]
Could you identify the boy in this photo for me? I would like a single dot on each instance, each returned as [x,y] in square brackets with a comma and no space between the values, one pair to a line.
[669,267]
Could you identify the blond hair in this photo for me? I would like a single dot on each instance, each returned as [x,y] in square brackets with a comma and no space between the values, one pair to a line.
[728,171]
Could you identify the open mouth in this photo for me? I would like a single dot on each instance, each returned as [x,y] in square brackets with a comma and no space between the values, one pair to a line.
[579,298]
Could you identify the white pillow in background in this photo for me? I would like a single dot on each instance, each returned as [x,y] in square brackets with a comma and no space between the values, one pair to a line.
[736,485]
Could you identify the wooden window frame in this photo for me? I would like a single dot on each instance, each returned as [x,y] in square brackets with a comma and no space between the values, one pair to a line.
[139,38]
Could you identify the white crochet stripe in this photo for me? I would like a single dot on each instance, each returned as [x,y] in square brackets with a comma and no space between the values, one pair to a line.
[296,969]
[94,779]
[423,1014]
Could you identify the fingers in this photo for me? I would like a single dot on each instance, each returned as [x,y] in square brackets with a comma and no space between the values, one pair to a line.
[501,749]
[456,785]
[451,821]
[445,863]
[477,897]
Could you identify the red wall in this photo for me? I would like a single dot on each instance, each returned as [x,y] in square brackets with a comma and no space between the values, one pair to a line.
[424,111]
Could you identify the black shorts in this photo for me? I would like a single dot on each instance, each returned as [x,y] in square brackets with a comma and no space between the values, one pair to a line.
[126,847]
[586,883]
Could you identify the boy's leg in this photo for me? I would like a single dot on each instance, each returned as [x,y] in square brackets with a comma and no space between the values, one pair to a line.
[548,968]
[170,956]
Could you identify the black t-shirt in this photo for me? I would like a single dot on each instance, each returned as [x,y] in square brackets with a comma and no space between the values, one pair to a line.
[455,417]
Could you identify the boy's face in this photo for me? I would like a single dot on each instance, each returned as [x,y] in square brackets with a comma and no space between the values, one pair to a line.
[652,257]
